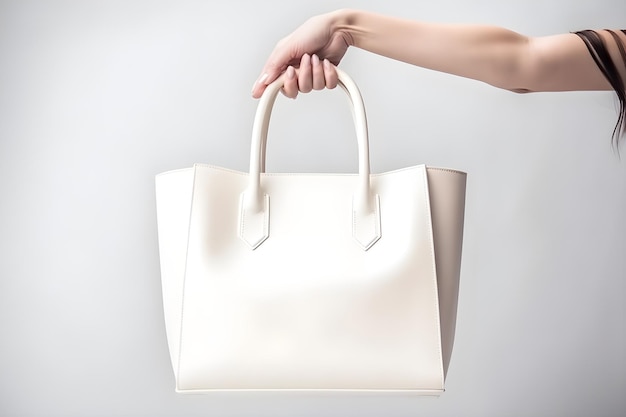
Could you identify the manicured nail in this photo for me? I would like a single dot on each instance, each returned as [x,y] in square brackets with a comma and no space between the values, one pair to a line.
[291,73]
[315,60]
[326,64]
[261,79]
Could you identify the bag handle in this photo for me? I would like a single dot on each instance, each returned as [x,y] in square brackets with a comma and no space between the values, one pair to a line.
[254,209]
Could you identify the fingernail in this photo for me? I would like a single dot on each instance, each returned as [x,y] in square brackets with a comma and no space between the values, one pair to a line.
[326,64]
[315,59]
[261,79]
[291,72]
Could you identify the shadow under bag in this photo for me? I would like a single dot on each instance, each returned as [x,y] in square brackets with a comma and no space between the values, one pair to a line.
[310,281]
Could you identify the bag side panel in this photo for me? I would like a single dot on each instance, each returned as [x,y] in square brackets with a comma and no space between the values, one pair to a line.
[447,201]
[174,191]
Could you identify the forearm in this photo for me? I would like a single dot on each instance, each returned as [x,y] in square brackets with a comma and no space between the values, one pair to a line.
[485,53]
[494,55]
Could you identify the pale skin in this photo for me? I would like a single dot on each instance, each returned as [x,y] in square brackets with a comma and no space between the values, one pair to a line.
[491,54]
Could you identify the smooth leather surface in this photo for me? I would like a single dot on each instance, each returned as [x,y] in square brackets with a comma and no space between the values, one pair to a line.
[308,309]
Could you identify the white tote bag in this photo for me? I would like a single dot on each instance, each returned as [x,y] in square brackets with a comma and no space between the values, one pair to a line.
[310,281]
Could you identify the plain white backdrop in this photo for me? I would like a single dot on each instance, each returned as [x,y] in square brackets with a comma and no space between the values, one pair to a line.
[96,97]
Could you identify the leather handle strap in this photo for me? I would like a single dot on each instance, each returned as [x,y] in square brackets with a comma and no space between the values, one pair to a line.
[352,110]
[255,203]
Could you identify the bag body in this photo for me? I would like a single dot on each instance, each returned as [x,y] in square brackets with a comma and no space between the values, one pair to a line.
[276,281]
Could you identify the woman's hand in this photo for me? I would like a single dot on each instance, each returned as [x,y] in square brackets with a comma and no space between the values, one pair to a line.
[307,56]
[311,74]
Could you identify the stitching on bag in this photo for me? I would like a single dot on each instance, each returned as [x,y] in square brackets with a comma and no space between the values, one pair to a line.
[242,220]
[378,217]
[376,221]
[354,229]
[266,215]
[448,170]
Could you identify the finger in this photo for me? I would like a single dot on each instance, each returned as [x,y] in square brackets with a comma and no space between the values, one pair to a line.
[319,82]
[277,63]
[305,80]
[259,86]
[330,74]
[290,83]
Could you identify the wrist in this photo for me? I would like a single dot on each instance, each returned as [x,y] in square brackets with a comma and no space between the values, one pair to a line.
[342,22]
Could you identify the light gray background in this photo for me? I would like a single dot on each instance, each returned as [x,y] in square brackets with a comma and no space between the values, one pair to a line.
[96,97]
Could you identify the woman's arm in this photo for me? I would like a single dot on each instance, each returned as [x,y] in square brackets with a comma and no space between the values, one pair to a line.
[494,55]
[587,60]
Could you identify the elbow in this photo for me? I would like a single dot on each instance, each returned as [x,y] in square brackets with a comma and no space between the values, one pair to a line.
[515,81]
[515,70]
[520,90]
